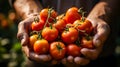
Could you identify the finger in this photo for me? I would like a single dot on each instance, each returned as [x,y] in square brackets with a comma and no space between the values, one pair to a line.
[91,53]
[26,50]
[70,59]
[81,61]
[40,58]
[23,37]
[22,34]
[101,35]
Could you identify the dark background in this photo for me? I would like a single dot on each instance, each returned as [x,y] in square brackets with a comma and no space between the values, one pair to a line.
[10,48]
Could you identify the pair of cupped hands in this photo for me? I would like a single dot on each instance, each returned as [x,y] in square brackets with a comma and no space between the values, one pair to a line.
[101,29]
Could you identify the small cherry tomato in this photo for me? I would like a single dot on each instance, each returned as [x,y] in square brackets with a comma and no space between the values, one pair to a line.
[70,35]
[72,14]
[44,14]
[60,25]
[73,50]
[37,25]
[85,27]
[50,33]
[41,46]
[57,50]
[87,42]
[32,40]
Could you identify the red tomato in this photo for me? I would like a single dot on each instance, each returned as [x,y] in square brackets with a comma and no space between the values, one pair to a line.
[72,14]
[57,50]
[70,35]
[87,42]
[50,34]
[73,50]
[41,46]
[60,25]
[37,26]
[32,40]
[85,27]
[44,14]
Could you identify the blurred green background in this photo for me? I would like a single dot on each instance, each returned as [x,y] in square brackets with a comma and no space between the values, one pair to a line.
[10,48]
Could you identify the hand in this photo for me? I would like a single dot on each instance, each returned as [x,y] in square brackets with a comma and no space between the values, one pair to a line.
[101,30]
[23,30]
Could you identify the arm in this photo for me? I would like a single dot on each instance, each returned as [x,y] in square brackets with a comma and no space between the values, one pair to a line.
[26,8]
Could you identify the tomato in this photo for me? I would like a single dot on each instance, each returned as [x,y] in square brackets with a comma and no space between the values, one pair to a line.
[57,50]
[87,42]
[44,14]
[73,50]
[32,40]
[85,27]
[70,35]
[50,33]
[60,24]
[37,25]
[41,46]
[72,14]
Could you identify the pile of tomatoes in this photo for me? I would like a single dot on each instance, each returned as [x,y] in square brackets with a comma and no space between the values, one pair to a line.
[61,35]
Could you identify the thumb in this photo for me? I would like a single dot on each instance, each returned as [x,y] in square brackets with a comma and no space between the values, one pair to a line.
[23,37]
[101,34]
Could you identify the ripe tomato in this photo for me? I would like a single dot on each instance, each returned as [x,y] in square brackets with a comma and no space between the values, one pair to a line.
[44,14]
[41,46]
[57,50]
[37,25]
[87,42]
[70,35]
[85,27]
[72,14]
[73,50]
[60,25]
[32,40]
[50,34]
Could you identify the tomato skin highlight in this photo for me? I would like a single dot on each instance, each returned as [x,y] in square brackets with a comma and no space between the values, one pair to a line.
[41,46]
[50,34]
[57,50]
[69,36]
[73,50]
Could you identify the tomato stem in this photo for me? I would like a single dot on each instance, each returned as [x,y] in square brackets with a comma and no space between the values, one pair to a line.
[51,26]
[80,11]
[39,35]
[36,19]
[33,32]
[49,14]
[59,47]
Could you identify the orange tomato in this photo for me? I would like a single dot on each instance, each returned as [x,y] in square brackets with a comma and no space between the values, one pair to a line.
[73,50]
[57,50]
[50,34]
[70,35]
[41,46]
[72,14]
